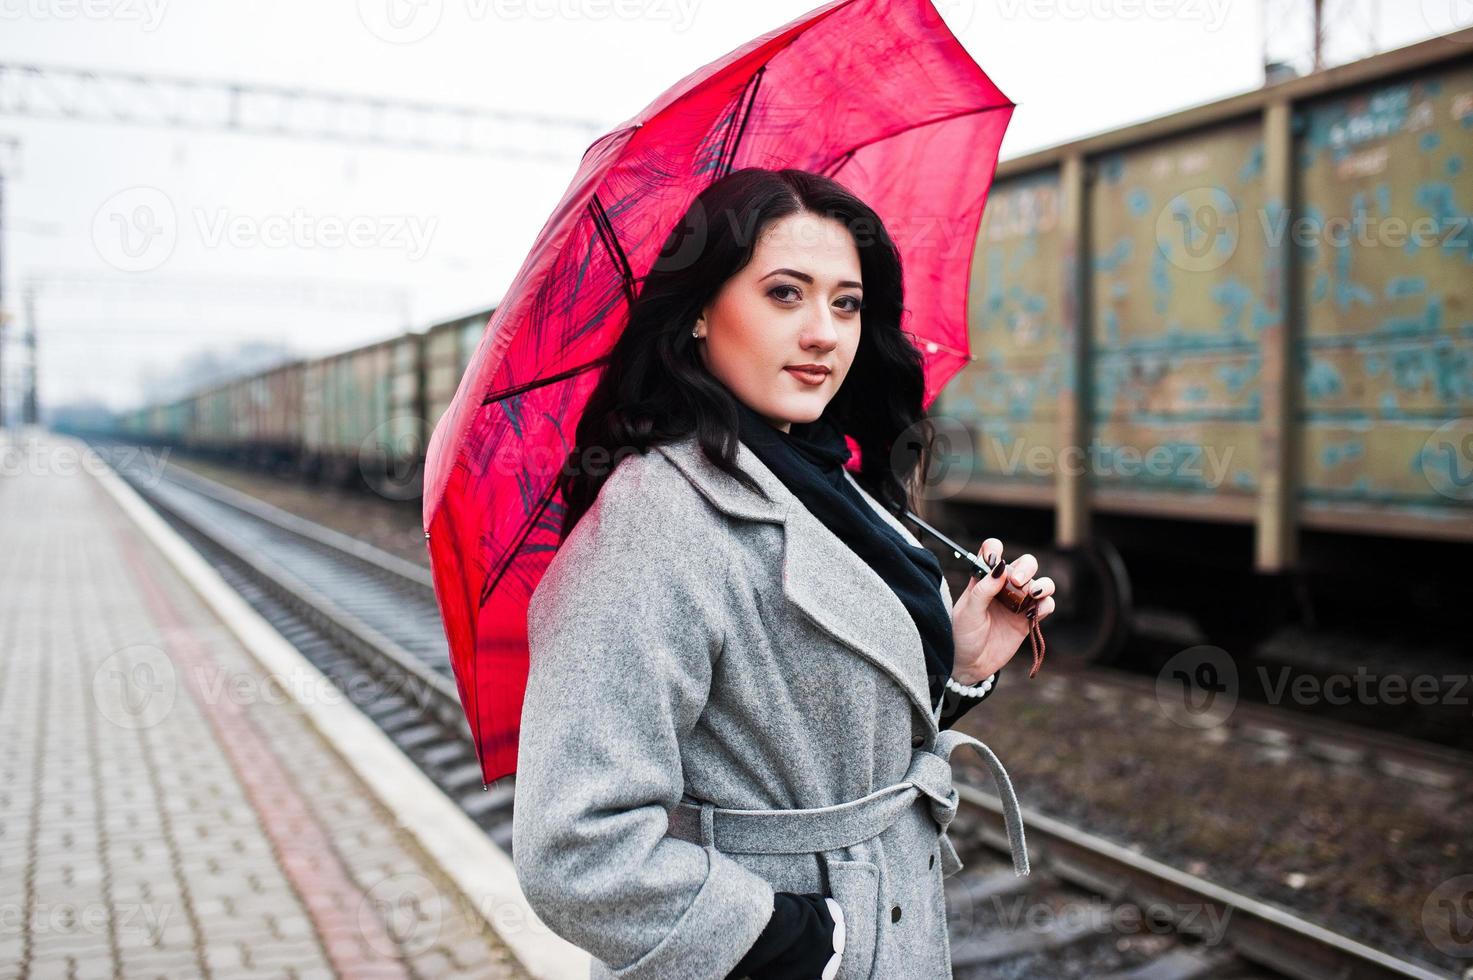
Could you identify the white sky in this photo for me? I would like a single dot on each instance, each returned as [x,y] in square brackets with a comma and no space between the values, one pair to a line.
[1073,66]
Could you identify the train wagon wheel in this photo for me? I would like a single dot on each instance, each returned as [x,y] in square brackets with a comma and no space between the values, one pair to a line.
[1092,592]
[1239,612]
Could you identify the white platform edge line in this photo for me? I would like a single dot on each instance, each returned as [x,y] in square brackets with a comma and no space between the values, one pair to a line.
[482,871]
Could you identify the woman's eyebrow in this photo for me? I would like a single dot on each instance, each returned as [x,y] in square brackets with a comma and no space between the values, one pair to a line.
[807,278]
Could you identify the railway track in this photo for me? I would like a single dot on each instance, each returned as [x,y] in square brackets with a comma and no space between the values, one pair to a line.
[1285,731]
[1090,908]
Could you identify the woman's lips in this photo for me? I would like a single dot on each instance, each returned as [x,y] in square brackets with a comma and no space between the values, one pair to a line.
[813,378]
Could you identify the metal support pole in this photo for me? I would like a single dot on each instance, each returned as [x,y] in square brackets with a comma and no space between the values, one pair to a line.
[30,410]
[1072,523]
[1277,524]
[2,299]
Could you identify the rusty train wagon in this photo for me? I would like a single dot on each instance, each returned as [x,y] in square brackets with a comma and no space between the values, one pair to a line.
[1252,322]
[448,348]
[361,415]
[253,421]
[171,423]
[174,422]
[214,427]
[272,403]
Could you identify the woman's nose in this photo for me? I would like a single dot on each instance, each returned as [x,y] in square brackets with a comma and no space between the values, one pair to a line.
[821,332]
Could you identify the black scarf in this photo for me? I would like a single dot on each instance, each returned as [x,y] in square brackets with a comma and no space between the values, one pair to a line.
[809,460]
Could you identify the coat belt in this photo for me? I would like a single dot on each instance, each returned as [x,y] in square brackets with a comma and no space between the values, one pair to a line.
[844,824]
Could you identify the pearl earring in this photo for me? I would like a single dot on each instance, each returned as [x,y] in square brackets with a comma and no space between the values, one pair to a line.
[694,332]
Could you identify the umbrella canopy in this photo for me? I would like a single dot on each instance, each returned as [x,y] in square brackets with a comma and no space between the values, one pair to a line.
[876,94]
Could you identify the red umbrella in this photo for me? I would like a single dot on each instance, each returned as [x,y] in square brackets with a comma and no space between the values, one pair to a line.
[877,94]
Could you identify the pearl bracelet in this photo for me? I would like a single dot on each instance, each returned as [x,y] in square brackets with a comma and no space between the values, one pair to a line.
[976,690]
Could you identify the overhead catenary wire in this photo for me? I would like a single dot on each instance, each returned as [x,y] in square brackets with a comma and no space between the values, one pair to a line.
[258,109]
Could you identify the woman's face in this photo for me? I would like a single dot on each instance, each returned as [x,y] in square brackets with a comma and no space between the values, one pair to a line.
[796,303]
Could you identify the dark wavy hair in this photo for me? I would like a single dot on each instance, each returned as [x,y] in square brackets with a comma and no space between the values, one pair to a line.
[655,387]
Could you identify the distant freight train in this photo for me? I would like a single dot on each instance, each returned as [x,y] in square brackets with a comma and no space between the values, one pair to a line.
[1233,332]
[361,415]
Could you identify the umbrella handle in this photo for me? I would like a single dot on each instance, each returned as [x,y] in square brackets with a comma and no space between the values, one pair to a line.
[1011,595]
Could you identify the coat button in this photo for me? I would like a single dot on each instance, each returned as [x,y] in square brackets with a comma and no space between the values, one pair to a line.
[917,741]
[895,914]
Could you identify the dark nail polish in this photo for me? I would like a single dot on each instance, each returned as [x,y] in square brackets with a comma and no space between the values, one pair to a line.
[989,561]
[997,572]
[1037,591]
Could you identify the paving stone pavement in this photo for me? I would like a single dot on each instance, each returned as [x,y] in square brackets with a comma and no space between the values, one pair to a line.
[165,811]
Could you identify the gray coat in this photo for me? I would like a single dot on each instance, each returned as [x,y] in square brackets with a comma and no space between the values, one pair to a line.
[680,671]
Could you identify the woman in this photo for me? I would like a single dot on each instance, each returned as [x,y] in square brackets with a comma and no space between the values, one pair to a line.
[734,623]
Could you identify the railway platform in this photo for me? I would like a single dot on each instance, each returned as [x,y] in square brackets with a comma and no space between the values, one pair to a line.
[173,803]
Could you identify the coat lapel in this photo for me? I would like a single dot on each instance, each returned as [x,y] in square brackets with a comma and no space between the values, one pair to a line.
[826,580]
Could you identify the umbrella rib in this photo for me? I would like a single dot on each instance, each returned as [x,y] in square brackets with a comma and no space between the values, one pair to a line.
[840,161]
[606,235]
[497,396]
[838,164]
[536,516]
[749,97]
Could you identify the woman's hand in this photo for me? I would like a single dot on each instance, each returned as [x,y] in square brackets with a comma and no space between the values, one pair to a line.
[988,633]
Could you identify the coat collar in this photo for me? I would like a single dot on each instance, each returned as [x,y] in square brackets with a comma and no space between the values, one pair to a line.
[822,576]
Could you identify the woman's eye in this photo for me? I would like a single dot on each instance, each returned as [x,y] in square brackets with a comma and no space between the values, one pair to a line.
[855,304]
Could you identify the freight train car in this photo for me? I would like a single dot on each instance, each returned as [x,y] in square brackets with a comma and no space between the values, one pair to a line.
[173,423]
[272,402]
[423,373]
[1227,333]
[165,424]
[447,352]
[253,420]
[362,416]
[361,412]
